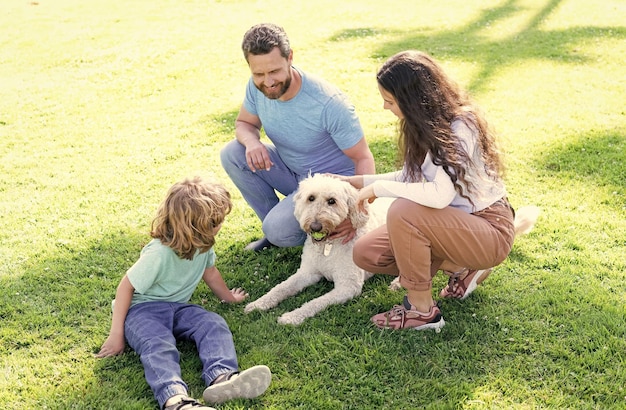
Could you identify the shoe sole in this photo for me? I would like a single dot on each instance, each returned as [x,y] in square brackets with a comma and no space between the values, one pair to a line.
[436,326]
[476,280]
[248,384]
[430,325]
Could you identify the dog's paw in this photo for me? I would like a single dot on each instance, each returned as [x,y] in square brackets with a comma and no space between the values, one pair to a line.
[290,319]
[252,306]
[395,284]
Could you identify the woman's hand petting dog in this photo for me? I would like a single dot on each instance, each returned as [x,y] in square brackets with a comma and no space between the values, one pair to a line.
[344,230]
[366,194]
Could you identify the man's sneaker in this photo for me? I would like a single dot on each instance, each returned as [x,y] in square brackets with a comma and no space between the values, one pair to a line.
[188,404]
[259,245]
[248,384]
[460,288]
[405,316]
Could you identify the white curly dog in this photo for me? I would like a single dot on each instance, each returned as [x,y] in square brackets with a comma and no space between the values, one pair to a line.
[321,203]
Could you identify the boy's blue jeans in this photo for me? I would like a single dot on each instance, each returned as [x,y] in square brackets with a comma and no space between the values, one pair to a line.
[152,329]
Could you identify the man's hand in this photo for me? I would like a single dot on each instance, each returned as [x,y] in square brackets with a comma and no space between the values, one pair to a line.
[258,158]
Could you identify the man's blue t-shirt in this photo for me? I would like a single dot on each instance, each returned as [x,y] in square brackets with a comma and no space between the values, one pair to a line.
[160,275]
[311,129]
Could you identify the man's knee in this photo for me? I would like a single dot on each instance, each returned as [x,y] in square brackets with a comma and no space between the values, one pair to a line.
[283,233]
[231,152]
[283,238]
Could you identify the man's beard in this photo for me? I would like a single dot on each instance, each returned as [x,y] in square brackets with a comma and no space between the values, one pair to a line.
[278,91]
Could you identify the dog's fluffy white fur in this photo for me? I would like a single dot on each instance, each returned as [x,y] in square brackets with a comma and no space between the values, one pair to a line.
[321,203]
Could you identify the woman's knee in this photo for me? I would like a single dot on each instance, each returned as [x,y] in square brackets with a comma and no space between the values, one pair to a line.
[357,255]
[401,208]
[361,255]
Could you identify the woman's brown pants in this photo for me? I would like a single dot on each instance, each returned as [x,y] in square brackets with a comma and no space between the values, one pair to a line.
[417,241]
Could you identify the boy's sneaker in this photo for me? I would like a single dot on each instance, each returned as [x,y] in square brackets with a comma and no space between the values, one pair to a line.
[405,316]
[188,404]
[248,384]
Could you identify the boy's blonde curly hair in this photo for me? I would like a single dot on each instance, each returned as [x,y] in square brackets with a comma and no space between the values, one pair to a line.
[187,218]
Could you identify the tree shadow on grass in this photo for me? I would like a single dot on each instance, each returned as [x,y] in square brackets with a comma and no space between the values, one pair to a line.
[59,316]
[59,309]
[598,156]
[351,361]
[336,357]
[588,171]
[530,42]
[531,342]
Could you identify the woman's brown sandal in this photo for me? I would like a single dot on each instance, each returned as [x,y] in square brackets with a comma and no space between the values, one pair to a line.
[460,288]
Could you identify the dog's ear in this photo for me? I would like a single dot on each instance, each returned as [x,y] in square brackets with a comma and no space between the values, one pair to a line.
[357,217]
[296,200]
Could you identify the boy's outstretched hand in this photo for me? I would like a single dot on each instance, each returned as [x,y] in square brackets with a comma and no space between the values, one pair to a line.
[238,294]
[113,346]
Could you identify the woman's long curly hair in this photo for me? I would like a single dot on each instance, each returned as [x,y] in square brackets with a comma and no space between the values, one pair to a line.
[187,218]
[430,101]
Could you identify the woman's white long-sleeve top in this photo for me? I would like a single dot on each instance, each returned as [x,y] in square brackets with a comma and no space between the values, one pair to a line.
[436,189]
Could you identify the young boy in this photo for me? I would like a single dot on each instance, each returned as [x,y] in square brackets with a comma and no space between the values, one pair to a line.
[151,309]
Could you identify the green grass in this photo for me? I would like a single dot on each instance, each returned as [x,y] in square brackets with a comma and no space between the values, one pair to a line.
[106,103]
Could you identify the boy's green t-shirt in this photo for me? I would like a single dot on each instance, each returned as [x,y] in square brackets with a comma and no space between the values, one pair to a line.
[160,275]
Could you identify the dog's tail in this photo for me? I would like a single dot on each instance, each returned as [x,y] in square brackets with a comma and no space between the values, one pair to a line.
[525,219]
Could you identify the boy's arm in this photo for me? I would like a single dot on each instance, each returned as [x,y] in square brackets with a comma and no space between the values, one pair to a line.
[115,343]
[215,282]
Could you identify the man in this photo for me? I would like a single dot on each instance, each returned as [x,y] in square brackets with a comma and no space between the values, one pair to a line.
[313,129]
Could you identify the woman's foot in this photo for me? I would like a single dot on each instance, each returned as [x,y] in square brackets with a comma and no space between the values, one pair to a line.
[405,316]
[461,285]
[248,384]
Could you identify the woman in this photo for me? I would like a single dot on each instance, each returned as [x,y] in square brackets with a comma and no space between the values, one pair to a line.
[451,213]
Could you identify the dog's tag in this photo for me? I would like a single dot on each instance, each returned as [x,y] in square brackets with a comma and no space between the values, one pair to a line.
[327,248]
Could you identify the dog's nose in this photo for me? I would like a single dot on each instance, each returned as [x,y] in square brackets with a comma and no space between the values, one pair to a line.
[316,226]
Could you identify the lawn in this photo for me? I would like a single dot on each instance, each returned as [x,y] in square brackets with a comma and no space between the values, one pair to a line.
[105,104]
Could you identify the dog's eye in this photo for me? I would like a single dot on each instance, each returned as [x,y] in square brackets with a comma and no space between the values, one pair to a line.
[311,198]
[331,201]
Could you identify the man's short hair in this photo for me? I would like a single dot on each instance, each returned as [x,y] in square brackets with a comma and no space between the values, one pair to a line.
[263,38]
